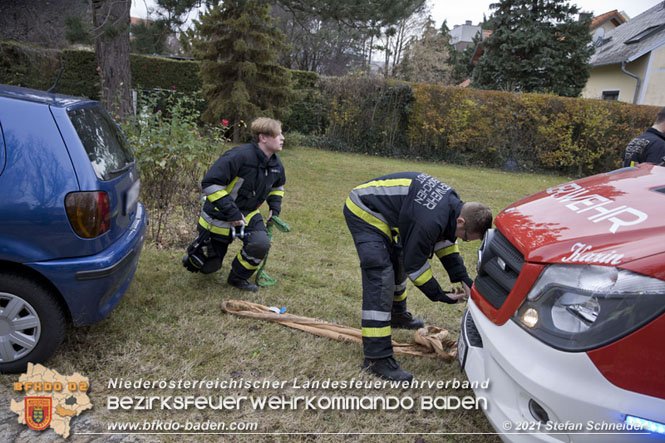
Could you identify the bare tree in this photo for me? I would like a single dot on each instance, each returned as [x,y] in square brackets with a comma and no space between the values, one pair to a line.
[396,38]
[324,46]
[426,58]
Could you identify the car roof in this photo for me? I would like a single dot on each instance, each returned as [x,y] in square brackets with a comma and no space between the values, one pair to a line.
[35,95]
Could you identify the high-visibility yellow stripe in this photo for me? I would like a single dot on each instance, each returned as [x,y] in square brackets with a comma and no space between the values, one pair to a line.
[224,192]
[246,264]
[278,193]
[213,229]
[400,297]
[447,251]
[389,182]
[376,332]
[230,186]
[217,195]
[369,218]
[249,216]
[424,278]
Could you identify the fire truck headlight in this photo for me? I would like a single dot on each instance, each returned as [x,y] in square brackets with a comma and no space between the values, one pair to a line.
[581,307]
[530,317]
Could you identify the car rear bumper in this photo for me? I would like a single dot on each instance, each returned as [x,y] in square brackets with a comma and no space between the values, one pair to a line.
[580,403]
[93,285]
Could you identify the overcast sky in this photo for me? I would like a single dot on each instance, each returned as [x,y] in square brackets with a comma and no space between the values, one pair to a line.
[473,10]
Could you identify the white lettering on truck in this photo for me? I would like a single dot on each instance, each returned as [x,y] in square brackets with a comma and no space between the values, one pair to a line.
[581,201]
[581,254]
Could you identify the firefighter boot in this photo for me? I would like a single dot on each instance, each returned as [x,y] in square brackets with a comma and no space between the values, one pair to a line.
[404,320]
[241,283]
[386,368]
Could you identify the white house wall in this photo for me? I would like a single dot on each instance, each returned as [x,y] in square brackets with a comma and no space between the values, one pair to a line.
[654,90]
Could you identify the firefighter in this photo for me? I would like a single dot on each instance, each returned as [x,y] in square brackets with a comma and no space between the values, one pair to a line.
[235,187]
[648,147]
[398,222]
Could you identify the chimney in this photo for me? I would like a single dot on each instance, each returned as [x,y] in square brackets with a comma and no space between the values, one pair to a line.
[468,22]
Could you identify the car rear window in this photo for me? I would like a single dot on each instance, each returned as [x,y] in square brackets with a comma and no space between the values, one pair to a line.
[107,148]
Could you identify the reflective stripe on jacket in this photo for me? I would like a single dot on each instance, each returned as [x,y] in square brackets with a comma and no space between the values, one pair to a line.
[422,212]
[240,181]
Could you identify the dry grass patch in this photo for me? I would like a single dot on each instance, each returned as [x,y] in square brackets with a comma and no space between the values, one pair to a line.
[169,326]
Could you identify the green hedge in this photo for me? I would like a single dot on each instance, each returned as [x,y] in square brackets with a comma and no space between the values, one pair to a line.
[151,72]
[23,65]
[308,109]
[368,114]
[80,74]
[476,127]
[391,118]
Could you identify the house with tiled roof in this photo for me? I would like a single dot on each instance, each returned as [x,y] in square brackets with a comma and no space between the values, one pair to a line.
[604,23]
[629,62]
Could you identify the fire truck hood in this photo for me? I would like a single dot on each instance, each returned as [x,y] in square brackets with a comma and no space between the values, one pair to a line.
[606,219]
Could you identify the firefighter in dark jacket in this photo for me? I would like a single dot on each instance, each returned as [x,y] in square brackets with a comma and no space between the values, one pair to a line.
[235,187]
[648,147]
[398,222]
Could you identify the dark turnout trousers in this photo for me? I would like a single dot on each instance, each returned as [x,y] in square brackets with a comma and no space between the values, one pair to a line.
[255,245]
[383,282]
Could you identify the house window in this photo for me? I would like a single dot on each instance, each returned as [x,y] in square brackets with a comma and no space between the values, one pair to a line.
[610,95]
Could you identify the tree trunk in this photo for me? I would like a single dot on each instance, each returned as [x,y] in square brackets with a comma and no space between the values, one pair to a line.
[235,137]
[369,57]
[111,21]
[399,45]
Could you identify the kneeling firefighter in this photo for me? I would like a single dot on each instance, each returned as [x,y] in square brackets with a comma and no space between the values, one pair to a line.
[235,187]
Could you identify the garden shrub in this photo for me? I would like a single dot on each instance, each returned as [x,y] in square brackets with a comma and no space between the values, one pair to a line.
[172,153]
[391,118]
[295,138]
[475,127]
[369,114]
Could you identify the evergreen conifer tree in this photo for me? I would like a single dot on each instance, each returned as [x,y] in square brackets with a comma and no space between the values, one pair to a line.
[535,46]
[238,45]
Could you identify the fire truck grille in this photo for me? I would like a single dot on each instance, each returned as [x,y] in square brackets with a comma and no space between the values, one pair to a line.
[499,266]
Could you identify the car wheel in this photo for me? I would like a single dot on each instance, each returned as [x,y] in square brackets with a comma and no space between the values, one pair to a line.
[32,322]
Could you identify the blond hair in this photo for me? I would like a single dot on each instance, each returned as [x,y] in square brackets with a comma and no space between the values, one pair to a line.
[265,126]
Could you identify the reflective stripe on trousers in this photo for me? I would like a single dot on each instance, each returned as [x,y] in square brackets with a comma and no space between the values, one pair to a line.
[255,245]
[383,282]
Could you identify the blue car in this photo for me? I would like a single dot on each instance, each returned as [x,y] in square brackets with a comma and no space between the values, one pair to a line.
[71,225]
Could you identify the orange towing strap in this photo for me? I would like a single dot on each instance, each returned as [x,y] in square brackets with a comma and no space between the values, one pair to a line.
[430,341]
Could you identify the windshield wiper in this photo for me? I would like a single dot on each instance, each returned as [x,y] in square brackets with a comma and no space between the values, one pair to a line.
[123,169]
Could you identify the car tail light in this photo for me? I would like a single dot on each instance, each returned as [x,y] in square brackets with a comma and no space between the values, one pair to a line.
[89,213]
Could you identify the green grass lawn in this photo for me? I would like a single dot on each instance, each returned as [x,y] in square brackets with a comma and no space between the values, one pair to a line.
[169,325]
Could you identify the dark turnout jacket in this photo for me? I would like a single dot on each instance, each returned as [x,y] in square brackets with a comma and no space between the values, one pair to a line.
[645,148]
[240,181]
[421,212]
